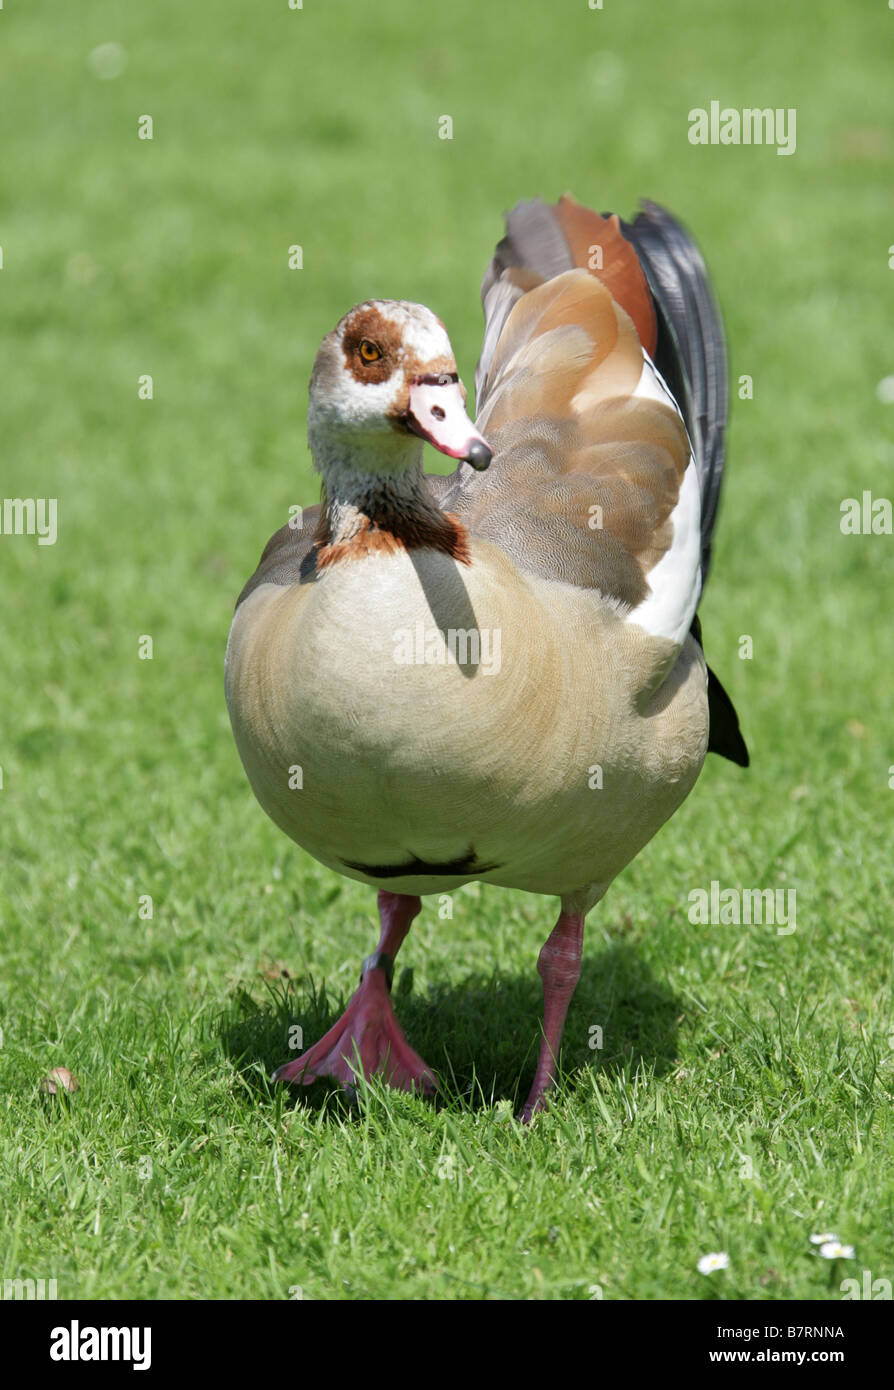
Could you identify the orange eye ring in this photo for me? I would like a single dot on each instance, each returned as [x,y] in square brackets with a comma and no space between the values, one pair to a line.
[368,351]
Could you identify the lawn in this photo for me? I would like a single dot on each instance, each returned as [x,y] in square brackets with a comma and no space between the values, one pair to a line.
[160,936]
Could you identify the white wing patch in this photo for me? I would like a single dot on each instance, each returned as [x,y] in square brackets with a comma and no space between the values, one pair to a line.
[675,582]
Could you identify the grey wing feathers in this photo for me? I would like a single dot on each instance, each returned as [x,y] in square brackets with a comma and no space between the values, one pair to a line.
[691,352]
[288,556]
[534,240]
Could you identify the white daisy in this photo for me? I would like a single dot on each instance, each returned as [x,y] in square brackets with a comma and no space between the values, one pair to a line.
[716,1260]
[834,1250]
[823,1239]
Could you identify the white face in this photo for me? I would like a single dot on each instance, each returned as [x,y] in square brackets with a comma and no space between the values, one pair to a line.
[384,376]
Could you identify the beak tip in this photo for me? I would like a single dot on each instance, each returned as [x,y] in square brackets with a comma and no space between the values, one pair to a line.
[478,455]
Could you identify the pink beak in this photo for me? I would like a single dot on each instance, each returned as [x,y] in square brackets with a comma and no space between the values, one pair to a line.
[438,413]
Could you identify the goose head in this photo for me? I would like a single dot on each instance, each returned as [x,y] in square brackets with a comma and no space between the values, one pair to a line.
[383,380]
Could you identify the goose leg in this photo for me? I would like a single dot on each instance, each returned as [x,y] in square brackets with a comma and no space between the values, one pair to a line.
[559,967]
[368,1035]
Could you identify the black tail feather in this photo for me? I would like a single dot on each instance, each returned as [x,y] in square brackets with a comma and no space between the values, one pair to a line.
[724,734]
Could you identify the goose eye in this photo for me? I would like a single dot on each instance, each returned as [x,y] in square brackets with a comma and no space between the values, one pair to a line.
[368,351]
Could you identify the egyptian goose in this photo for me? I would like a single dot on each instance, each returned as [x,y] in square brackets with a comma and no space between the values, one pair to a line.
[496,675]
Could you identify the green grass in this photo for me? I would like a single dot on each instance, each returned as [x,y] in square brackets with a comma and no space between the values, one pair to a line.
[175,1170]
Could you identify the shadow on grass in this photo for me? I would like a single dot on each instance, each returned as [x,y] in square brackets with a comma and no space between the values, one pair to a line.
[481,1035]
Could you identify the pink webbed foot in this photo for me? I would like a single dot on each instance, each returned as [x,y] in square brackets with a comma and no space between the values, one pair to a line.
[559,968]
[366,1039]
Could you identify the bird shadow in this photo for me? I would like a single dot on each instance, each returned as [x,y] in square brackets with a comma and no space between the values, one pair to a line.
[450,606]
[481,1035]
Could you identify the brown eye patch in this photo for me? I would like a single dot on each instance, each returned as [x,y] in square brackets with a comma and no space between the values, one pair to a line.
[371,346]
